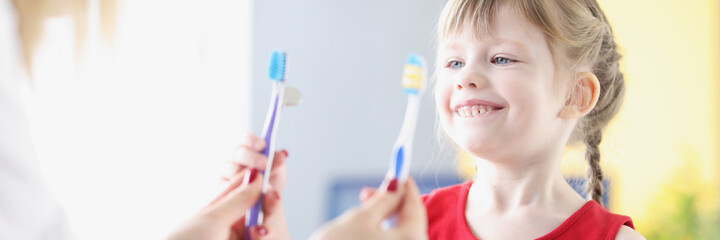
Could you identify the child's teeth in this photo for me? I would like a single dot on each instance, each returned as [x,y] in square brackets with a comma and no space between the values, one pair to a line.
[473,111]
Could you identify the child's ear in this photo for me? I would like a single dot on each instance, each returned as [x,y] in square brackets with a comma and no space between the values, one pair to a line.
[582,97]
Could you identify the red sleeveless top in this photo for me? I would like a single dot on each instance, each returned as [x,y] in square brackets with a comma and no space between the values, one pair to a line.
[446,218]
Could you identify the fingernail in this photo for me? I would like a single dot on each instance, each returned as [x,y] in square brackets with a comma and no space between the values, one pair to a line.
[392,185]
[285,152]
[250,176]
[253,174]
[262,231]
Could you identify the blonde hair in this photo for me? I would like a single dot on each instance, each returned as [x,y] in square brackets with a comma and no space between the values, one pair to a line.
[578,35]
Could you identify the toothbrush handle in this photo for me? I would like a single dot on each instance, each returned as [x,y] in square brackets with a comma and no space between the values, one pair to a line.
[391,221]
[252,215]
[270,125]
[403,150]
[403,146]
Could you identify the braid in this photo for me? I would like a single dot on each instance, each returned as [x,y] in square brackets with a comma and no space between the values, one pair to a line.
[594,185]
[612,91]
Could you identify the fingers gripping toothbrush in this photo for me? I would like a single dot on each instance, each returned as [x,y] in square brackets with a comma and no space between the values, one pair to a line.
[412,81]
[281,96]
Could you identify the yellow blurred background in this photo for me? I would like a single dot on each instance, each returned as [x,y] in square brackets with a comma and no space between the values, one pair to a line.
[660,154]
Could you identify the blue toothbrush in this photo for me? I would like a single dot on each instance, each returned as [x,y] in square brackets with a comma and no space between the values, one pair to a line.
[281,96]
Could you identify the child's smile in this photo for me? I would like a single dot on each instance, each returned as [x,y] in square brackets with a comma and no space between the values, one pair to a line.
[475,108]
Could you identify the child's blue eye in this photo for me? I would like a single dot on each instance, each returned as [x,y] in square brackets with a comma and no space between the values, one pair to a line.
[455,64]
[501,60]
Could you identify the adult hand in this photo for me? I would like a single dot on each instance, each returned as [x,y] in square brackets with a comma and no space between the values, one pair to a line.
[249,155]
[364,222]
[224,217]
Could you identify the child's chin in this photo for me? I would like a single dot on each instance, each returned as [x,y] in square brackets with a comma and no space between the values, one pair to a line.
[475,141]
[479,153]
[479,149]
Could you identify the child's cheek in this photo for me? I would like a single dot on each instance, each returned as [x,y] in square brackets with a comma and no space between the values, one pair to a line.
[443,93]
[439,94]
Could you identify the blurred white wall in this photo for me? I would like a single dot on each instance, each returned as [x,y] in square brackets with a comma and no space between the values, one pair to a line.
[133,141]
[346,57]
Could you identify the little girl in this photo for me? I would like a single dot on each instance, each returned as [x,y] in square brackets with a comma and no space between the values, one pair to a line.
[517,80]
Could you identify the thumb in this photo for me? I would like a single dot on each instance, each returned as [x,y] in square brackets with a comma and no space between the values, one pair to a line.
[383,203]
[232,206]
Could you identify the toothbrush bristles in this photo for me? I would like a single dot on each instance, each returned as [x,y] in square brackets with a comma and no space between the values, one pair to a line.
[413,74]
[276,70]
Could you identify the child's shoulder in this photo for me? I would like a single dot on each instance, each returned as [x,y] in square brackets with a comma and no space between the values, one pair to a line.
[628,233]
[593,220]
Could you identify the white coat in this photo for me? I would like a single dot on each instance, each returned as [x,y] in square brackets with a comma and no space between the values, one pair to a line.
[27,211]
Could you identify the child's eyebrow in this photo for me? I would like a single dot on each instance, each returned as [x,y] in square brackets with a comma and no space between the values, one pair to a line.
[513,44]
[452,46]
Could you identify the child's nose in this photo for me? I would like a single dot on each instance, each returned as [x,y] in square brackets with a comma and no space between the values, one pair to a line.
[469,82]
[471,85]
